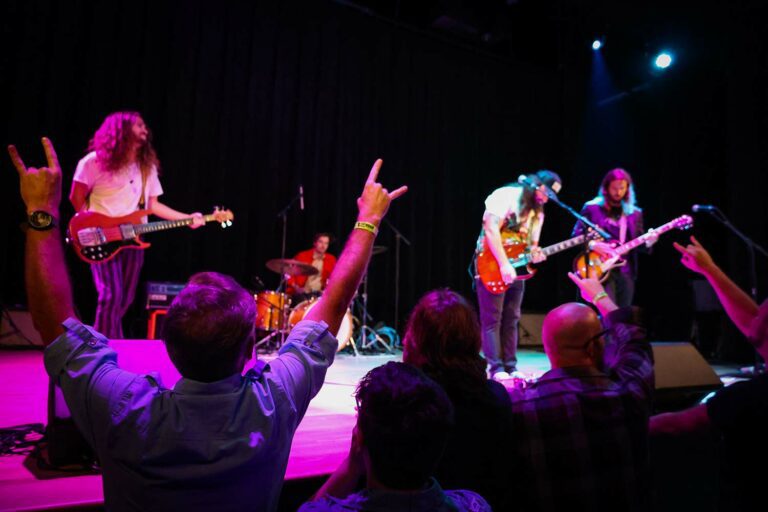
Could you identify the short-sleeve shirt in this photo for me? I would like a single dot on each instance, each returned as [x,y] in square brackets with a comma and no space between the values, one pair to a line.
[505,203]
[115,193]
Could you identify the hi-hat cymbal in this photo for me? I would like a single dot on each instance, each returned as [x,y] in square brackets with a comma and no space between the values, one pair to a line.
[291,267]
[378,249]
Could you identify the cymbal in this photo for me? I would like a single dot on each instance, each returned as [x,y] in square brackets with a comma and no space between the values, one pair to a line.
[291,267]
[378,249]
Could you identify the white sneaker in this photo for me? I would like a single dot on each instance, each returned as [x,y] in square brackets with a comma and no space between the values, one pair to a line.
[518,375]
[499,376]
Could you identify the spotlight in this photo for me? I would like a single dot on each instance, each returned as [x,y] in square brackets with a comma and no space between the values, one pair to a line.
[597,44]
[663,60]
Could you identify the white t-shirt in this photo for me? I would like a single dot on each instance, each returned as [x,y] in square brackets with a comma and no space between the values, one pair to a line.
[115,193]
[504,203]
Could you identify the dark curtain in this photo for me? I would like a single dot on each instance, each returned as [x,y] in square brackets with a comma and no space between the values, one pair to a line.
[249,100]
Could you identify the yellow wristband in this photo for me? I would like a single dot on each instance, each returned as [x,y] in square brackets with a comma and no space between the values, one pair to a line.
[599,296]
[367,226]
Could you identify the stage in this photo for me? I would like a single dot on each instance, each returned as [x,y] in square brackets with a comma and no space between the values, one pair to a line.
[321,441]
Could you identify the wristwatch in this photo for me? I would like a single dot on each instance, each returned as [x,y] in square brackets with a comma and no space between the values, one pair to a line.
[40,220]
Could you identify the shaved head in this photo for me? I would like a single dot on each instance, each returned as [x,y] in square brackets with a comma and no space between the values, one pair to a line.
[565,333]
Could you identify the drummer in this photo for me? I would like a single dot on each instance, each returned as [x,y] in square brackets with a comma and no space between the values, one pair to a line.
[302,287]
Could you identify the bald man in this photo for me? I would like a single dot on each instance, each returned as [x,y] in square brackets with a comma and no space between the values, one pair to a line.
[583,426]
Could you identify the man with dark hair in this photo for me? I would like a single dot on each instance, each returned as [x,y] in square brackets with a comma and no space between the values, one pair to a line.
[319,257]
[514,214]
[219,440]
[403,422]
[582,428]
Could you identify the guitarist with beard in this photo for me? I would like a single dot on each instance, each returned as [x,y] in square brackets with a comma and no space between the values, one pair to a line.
[614,209]
[516,211]
[118,176]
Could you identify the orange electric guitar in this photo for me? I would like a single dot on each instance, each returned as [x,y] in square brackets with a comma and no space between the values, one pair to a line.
[96,237]
[591,264]
[519,256]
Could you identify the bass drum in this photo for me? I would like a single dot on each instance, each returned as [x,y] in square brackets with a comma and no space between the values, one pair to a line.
[345,329]
[271,310]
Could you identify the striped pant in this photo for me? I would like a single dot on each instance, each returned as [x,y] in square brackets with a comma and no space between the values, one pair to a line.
[116,282]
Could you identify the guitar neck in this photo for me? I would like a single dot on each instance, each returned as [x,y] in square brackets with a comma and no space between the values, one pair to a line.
[565,244]
[623,249]
[161,225]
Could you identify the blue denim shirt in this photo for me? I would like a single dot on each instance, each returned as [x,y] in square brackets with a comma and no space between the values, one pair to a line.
[200,446]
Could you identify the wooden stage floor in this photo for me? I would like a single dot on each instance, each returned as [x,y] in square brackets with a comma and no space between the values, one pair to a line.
[320,444]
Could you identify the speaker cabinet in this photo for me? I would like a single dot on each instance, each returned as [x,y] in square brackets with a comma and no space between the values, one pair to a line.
[683,376]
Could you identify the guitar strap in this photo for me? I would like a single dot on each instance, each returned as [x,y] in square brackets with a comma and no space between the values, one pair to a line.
[142,202]
[622,228]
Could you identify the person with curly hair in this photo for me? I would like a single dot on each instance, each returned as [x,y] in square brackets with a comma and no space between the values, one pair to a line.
[118,176]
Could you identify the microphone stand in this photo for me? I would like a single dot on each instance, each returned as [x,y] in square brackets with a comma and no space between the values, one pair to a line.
[719,216]
[398,238]
[281,287]
[553,197]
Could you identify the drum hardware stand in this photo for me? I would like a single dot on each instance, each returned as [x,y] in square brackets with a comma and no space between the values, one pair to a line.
[284,215]
[368,336]
[398,238]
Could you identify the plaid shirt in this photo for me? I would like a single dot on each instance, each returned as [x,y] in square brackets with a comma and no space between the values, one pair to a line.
[584,432]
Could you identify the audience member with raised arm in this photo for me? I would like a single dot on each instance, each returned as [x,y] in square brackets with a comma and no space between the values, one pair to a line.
[582,427]
[218,440]
[737,416]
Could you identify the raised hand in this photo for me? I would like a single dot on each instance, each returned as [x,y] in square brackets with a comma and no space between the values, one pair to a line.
[374,202]
[40,187]
[589,287]
[695,257]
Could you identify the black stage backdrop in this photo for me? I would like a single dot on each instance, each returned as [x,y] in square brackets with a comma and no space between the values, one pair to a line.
[249,100]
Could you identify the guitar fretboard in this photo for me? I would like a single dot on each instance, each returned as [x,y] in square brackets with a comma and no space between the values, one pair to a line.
[151,227]
[565,244]
[643,238]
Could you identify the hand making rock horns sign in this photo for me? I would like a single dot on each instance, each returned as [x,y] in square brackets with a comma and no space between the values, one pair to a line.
[40,186]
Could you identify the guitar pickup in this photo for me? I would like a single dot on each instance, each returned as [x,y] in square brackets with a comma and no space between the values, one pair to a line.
[91,237]
[127,232]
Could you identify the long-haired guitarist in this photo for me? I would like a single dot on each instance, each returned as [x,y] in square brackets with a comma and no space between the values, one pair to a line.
[516,211]
[615,210]
[118,176]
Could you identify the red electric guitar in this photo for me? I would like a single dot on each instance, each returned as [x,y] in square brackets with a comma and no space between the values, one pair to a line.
[96,237]
[519,256]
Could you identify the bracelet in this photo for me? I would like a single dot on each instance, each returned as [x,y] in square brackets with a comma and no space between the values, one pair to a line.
[599,296]
[367,226]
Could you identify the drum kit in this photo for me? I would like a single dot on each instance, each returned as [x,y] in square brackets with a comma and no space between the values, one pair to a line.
[276,317]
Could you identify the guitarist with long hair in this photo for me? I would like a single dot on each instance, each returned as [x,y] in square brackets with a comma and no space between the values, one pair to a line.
[118,176]
[615,210]
[512,212]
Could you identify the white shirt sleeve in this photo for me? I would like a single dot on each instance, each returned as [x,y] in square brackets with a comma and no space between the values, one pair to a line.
[503,201]
[154,188]
[87,170]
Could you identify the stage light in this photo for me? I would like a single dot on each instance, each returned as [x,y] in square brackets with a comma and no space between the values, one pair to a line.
[597,44]
[663,60]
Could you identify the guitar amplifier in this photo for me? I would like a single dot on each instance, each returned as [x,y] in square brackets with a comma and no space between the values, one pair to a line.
[161,294]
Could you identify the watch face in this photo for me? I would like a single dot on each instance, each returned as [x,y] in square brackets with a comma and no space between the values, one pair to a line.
[40,219]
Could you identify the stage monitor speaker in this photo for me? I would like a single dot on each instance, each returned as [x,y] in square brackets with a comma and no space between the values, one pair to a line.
[18,331]
[683,376]
[530,329]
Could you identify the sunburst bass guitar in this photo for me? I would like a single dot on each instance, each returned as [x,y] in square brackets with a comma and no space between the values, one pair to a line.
[97,238]
[591,264]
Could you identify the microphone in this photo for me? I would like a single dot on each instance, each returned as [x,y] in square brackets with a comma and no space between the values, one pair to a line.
[703,208]
[301,197]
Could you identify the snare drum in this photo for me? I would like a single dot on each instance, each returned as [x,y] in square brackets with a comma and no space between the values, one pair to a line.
[271,310]
[345,329]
